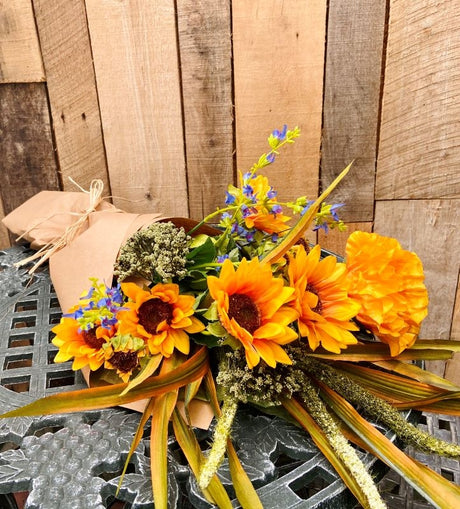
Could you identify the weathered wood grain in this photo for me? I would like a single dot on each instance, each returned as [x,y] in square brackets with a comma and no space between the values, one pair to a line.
[429,228]
[136,64]
[72,91]
[419,140]
[27,165]
[336,241]
[20,59]
[206,72]
[278,52]
[355,44]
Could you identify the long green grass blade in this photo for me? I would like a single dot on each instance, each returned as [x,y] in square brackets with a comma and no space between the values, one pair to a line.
[296,410]
[373,352]
[102,397]
[187,441]
[136,440]
[147,372]
[161,413]
[435,488]
[304,222]
[245,492]
[417,373]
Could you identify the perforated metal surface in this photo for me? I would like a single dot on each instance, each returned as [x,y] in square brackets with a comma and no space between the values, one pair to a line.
[71,461]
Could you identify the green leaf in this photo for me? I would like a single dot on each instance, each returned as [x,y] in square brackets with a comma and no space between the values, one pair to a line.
[204,253]
[216,329]
[207,340]
[102,397]
[212,314]
[435,488]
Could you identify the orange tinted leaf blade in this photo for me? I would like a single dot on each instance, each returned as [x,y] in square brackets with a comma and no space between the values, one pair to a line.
[434,488]
[187,441]
[296,410]
[303,223]
[102,397]
[245,492]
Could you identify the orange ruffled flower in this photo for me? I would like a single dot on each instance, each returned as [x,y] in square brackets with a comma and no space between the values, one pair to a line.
[321,290]
[161,316]
[84,346]
[388,282]
[251,307]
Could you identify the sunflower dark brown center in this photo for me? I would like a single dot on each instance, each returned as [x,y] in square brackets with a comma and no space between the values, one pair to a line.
[244,310]
[90,338]
[124,361]
[152,312]
[319,306]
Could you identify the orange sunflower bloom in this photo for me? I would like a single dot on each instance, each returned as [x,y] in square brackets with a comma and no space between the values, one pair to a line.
[322,300]
[251,307]
[85,346]
[388,282]
[161,316]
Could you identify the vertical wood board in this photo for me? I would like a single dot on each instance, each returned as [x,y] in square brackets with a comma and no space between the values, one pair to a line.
[355,38]
[72,91]
[419,142]
[206,72]
[430,229]
[27,165]
[278,73]
[134,47]
[20,59]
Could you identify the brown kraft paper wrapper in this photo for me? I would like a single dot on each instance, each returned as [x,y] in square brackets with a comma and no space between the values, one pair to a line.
[92,253]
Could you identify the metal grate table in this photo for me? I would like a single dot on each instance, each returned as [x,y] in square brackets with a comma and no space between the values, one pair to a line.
[74,461]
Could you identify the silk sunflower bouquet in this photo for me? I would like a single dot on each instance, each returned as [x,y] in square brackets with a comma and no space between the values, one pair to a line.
[240,309]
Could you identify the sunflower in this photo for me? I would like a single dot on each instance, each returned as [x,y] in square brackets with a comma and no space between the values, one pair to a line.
[122,354]
[85,346]
[161,316]
[251,307]
[322,301]
[388,283]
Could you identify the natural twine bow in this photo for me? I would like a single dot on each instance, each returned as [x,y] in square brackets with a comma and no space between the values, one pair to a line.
[43,254]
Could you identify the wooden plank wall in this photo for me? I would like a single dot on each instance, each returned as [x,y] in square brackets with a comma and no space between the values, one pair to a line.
[165,104]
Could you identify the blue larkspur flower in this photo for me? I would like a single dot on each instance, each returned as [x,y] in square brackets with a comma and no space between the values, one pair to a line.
[222,258]
[271,193]
[248,191]
[307,206]
[280,135]
[270,157]
[334,209]
[229,198]
[277,209]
